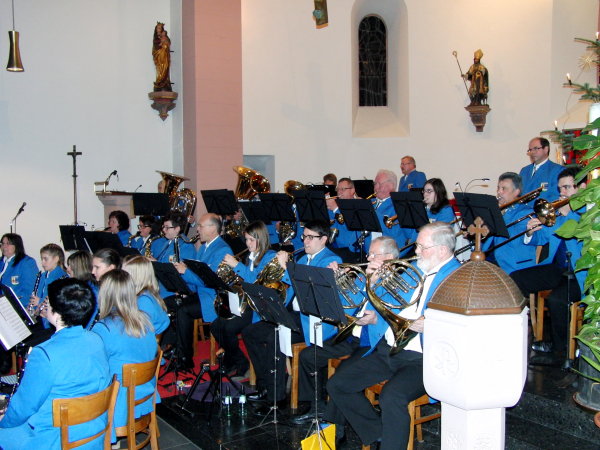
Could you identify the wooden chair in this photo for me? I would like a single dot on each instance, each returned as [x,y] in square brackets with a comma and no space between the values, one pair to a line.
[213,359]
[414,409]
[296,349]
[74,411]
[577,311]
[136,375]
[536,313]
[198,325]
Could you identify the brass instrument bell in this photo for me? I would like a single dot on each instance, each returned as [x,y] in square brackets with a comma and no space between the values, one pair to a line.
[250,183]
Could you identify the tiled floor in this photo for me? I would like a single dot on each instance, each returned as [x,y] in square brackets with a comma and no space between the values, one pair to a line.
[171,439]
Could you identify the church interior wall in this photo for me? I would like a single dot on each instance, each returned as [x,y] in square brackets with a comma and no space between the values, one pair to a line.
[298,85]
[88,71]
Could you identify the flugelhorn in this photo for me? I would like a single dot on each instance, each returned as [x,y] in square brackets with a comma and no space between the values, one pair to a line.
[221,302]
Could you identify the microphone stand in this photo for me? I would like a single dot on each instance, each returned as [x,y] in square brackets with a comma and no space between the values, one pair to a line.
[567,365]
[14,221]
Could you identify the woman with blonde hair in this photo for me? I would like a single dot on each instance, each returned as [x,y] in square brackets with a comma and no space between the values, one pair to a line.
[128,337]
[146,287]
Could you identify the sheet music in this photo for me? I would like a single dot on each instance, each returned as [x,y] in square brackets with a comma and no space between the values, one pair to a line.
[285,340]
[12,328]
[234,304]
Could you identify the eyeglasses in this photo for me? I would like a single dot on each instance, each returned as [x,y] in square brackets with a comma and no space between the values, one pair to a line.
[164,227]
[310,237]
[428,191]
[373,255]
[143,226]
[406,164]
[338,190]
[420,247]
[529,150]
[566,187]
[207,225]
[382,183]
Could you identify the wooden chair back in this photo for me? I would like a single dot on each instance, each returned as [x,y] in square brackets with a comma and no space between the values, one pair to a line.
[74,411]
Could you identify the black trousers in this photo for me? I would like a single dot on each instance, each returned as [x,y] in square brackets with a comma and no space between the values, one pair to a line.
[226,334]
[546,277]
[186,312]
[306,366]
[260,343]
[404,375]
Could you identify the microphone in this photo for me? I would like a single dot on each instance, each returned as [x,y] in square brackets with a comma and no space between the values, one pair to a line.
[457,185]
[22,208]
[137,188]
[114,172]
[477,179]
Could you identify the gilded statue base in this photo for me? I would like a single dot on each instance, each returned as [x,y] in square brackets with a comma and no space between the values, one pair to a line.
[478,114]
[164,101]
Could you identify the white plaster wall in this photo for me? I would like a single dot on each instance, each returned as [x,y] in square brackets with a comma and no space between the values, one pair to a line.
[297,86]
[88,72]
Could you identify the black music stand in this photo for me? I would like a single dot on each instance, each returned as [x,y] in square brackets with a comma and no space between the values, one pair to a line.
[171,279]
[410,209]
[485,206]
[317,294]
[211,280]
[270,308]
[279,209]
[364,188]
[311,205]
[220,201]
[97,240]
[254,211]
[327,189]
[150,204]
[359,215]
[72,237]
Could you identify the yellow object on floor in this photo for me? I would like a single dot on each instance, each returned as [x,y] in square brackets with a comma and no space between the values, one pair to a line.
[327,436]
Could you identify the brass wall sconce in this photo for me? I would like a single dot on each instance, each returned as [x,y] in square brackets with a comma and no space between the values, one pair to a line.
[14,56]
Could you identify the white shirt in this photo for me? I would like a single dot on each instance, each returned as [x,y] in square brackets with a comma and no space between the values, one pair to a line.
[537,166]
[206,244]
[295,304]
[6,262]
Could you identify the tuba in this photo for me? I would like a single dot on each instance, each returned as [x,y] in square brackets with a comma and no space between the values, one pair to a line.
[250,183]
[221,303]
[183,200]
[395,276]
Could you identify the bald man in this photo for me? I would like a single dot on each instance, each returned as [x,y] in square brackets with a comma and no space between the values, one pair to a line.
[411,177]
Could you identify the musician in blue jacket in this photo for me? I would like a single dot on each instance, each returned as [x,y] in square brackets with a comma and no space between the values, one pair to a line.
[384,184]
[226,330]
[541,171]
[411,178]
[514,255]
[403,370]
[164,249]
[259,337]
[73,363]
[129,341]
[118,223]
[549,273]
[17,270]
[211,252]
[149,226]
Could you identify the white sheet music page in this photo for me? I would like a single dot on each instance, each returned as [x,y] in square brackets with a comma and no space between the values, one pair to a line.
[234,304]
[12,328]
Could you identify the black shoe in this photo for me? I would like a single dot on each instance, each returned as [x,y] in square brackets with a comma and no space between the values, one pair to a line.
[264,409]
[6,367]
[305,418]
[261,394]
[340,442]
[543,347]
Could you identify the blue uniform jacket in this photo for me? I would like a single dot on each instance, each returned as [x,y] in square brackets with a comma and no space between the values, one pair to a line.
[21,278]
[250,276]
[124,235]
[212,257]
[547,235]
[415,179]
[446,214]
[387,209]
[273,235]
[158,316]
[322,259]
[124,349]
[345,238]
[72,363]
[137,243]
[515,255]
[377,331]
[45,280]
[163,251]
[547,173]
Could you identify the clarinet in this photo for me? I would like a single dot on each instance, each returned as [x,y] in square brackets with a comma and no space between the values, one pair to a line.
[19,378]
[30,307]
[176,254]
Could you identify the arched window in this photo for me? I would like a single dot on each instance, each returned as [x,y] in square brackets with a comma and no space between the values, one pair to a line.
[372,62]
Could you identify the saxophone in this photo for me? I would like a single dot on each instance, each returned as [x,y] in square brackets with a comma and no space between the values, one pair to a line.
[131,238]
[147,249]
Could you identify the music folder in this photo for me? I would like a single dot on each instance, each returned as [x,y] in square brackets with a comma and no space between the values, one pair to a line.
[14,319]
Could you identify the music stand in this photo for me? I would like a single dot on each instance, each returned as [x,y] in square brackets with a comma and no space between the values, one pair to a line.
[359,215]
[254,211]
[317,294]
[270,308]
[410,209]
[327,189]
[150,204]
[220,201]
[364,188]
[485,206]
[278,207]
[97,240]
[311,205]
[72,237]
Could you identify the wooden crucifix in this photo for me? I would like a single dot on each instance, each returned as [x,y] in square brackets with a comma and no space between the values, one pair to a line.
[478,229]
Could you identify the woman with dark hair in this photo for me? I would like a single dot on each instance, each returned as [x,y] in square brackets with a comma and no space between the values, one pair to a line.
[436,201]
[226,331]
[149,226]
[128,337]
[73,363]
[17,270]
[118,223]
[104,260]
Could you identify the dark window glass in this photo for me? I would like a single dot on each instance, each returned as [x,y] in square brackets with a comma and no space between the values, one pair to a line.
[372,62]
